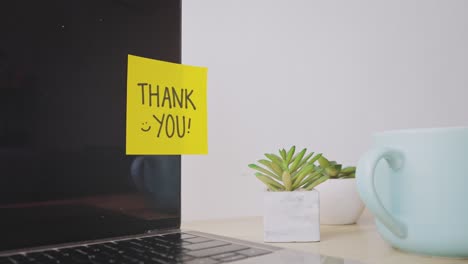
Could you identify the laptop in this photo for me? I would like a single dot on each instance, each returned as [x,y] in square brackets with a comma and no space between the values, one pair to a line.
[68,192]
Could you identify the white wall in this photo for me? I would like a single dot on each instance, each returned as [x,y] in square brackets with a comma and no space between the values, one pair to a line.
[319,74]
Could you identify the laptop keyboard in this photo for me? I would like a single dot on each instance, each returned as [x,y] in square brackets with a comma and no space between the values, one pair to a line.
[160,249]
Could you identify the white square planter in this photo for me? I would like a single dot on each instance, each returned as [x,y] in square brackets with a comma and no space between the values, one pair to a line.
[291,216]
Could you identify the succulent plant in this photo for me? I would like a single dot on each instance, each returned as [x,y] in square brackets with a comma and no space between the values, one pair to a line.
[335,171]
[290,171]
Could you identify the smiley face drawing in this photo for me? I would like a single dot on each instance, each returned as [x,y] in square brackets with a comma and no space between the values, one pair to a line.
[148,127]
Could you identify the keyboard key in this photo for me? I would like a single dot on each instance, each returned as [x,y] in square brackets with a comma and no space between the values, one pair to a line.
[98,248]
[197,239]
[202,261]
[172,237]
[103,259]
[135,249]
[159,261]
[6,260]
[224,255]
[233,258]
[183,258]
[17,259]
[53,253]
[215,251]
[129,258]
[185,236]
[41,257]
[209,244]
[161,242]
[252,252]
[111,246]
[160,255]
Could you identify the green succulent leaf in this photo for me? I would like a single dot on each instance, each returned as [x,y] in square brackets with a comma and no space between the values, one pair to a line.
[262,170]
[302,174]
[276,159]
[287,181]
[275,169]
[311,178]
[268,181]
[297,159]
[290,155]
[348,170]
[271,187]
[283,154]
[324,163]
[304,160]
[317,182]
[314,159]
[331,171]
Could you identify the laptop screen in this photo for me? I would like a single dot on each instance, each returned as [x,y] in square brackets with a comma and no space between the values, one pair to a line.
[64,175]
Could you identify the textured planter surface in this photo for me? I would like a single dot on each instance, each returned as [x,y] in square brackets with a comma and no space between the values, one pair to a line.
[340,203]
[291,216]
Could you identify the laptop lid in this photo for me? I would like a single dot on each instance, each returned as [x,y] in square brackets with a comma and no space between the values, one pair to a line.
[64,175]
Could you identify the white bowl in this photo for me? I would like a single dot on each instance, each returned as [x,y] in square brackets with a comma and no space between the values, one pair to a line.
[340,203]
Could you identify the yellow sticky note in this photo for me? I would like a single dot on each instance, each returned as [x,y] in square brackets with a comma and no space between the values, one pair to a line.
[166,108]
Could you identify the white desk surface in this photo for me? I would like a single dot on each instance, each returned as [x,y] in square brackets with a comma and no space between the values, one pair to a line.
[359,242]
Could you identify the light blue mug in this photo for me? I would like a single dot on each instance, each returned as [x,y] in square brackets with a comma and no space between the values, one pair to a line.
[415,182]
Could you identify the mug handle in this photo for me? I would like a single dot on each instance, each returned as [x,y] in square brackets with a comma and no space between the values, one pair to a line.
[365,183]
